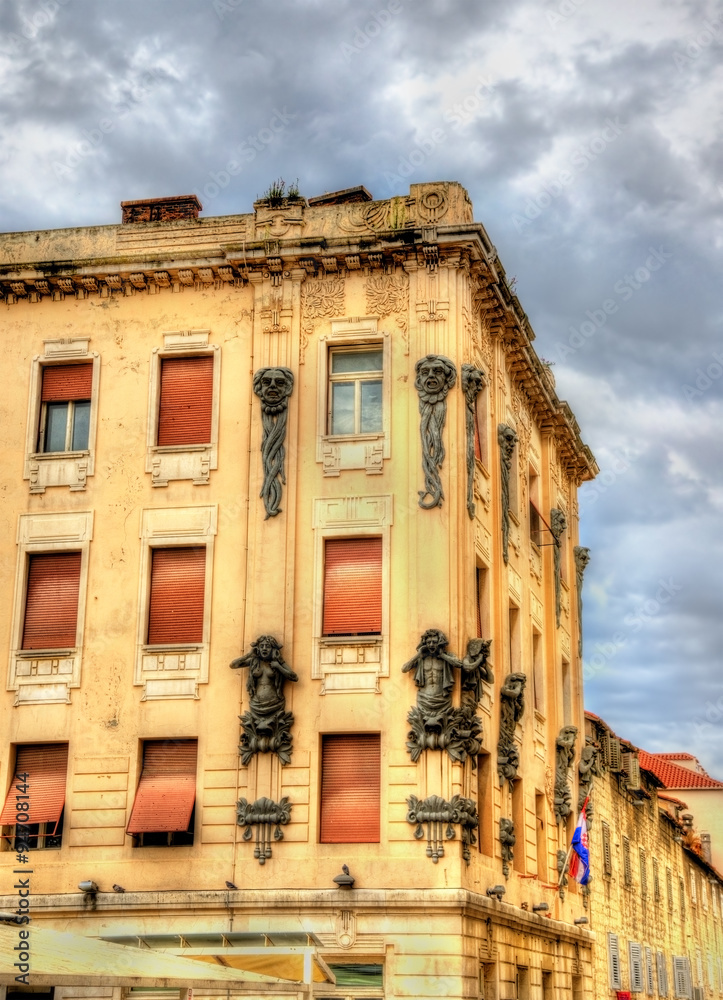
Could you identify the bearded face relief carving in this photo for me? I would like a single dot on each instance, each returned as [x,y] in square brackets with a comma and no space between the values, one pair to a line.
[507,439]
[273,386]
[435,376]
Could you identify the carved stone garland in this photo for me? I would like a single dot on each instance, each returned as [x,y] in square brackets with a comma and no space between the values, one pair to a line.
[507,439]
[273,386]
[263,814]
[512,706]
[564,755]
[507,842]
[435,812]
[436,724]
[267,725]
[558,523]
[473,381]
[435,377]
[582,558]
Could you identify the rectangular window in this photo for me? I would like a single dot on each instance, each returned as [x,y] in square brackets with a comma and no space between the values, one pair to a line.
[693,888]
[627,864]
[40,774]
[485,798]
[682,977]
[656,880]
[176,606]
[636,967]
[482,602]
[614,971]
[669,888]
[481,439]
[51,601]
[518,818]
[643,873]
[355,391]
[65,411]
[350,789]
[540,826]
[607,852]
[649,984]
[523,983]
[538,673]
[513,637]
[163,810]
[566,692]
[186,401]
[662,974]
[354,976]
[352,586]
[681,896]
[536,521]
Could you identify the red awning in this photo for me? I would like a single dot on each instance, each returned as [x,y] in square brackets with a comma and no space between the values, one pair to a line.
[46,767]
[167,789]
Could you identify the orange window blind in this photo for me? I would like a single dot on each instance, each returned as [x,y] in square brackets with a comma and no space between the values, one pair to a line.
[45,766]
[51,602]
[186,401]
[65,382]
[177,595]
[352,586]
[350,789]
[167,788]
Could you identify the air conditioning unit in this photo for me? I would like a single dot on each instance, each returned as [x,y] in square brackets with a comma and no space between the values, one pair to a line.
[631,769]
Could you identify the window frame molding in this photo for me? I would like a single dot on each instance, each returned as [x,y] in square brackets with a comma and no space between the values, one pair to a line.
[170,463]
[59,468]
[48,675]
[355,663]
[368,451]
[173,528]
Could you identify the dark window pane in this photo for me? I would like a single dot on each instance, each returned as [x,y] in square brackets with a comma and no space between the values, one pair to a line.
[356,361]
[56,422]
[371,407]
[81,425]
[342,408]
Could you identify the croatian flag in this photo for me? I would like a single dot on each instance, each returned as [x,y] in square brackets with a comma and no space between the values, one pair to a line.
[580,860]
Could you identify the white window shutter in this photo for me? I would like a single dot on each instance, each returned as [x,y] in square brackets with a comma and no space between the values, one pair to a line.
[616,981]
[649,986]
[636,967]
[662,975]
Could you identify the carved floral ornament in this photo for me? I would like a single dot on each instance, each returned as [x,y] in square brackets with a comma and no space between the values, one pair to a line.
[440,818]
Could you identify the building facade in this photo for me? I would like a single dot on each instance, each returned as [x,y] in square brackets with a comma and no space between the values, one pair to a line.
[656,902]
[291,581]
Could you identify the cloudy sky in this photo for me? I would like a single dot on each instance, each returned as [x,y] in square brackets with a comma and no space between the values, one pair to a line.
[589,134]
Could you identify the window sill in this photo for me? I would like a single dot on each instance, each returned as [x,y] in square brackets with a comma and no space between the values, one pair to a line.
[179,647]
[369,639]
[513,517]
[343,438]
[481,467]
[47,456]
[176,449]
[44,654]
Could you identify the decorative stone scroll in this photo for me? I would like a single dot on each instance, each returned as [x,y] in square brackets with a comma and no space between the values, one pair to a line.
[564,755]
[263,814]
[473,381]
[507,439]
[582,558]
[435,377]
[435,812]
[267,725]
[273,386]
[507,842]
[436,724]
[558,523]
[512,706]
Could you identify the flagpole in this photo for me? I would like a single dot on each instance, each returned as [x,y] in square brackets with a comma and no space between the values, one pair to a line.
[569,850]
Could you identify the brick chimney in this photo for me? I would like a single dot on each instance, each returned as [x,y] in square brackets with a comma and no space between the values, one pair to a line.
[180,206]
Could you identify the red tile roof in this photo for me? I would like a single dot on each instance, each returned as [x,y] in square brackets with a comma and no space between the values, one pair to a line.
[675,776]
[680,755]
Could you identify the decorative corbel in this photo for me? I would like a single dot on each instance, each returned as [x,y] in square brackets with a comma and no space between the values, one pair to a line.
[507,439]
[564,755]
[263,814]
[473,381]
[273,386]
[435,376]
[582,558]
[507,842]
[512,706]
[435,812]
[558,523]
